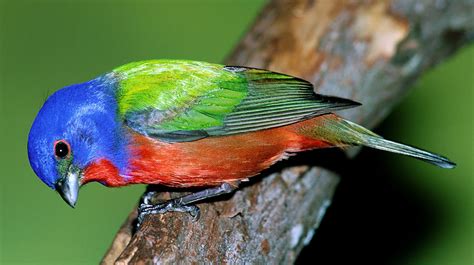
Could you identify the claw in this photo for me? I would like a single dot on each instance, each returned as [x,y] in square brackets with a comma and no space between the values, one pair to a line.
[164,207]
[181,204]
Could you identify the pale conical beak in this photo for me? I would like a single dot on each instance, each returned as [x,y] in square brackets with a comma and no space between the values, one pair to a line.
[68,188]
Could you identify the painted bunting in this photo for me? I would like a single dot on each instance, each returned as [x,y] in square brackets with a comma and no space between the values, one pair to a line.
[187,124]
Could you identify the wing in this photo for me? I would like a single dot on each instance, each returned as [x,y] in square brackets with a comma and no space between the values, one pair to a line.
[177,101]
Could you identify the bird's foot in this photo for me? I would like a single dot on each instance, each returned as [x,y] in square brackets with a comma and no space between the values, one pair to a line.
[168,206]
[147,198]
[181,204]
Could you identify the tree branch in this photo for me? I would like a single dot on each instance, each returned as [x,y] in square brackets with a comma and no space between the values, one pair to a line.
[370,51]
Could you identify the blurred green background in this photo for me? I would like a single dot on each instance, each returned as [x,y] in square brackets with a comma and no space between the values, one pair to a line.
[45,45]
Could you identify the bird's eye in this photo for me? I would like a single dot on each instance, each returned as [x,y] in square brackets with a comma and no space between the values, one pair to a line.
[61,149]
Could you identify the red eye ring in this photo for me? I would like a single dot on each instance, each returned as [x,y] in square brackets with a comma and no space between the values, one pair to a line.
[62,149]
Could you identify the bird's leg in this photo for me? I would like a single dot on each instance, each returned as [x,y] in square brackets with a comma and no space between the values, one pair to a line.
[148,197]
[181,204]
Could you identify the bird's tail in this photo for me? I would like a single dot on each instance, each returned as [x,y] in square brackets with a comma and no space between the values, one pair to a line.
[340,132]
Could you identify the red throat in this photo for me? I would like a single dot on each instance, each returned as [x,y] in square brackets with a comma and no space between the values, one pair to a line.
[105,172]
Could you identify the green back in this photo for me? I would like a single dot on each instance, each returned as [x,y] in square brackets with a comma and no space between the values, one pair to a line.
[177,100]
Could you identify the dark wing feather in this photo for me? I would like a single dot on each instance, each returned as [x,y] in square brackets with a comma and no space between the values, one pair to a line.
[276,100]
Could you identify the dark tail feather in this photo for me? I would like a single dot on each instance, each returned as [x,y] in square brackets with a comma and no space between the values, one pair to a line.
[386,145]
[341,132]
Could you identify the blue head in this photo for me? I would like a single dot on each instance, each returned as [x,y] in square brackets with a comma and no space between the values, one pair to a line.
[76,126]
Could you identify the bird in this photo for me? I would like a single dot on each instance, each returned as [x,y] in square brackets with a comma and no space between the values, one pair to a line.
[187,124]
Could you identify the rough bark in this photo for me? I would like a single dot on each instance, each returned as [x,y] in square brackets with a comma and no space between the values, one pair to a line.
[370,51]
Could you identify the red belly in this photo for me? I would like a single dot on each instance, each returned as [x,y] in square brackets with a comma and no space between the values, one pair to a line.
[214,160]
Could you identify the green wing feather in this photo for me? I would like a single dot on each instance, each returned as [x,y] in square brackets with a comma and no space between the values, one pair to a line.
[176,100]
